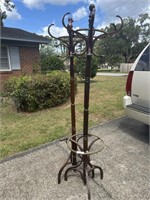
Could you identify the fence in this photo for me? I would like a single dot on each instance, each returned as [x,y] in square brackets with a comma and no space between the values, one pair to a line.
[125,67]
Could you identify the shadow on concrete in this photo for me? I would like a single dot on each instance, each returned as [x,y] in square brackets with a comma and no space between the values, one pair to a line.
[136,129]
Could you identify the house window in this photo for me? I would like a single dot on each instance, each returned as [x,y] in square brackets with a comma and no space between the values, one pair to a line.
[4,61]
[10,59]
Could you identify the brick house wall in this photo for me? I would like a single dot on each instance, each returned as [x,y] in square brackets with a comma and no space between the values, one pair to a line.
[20,53]
[29,61]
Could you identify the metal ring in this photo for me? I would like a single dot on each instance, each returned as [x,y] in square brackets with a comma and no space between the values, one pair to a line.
[82,152]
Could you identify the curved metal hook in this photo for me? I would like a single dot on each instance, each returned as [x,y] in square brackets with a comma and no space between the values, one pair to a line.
[59,38]
[64,58]
[78,55]
[114,26]
[80,35]
[109,33]
[116,30]
[50,32]
[121,23]
[63,19]
[95,54]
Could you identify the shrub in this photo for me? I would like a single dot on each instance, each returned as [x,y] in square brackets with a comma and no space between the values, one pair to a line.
[80,67]
[49,63]
[31,93]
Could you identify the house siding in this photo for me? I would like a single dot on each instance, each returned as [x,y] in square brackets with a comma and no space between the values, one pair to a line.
[29,60]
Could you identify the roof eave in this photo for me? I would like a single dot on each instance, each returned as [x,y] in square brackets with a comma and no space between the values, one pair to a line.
[25,40]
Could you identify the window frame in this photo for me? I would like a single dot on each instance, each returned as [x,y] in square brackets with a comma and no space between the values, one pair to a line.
[12,55]
[8,57]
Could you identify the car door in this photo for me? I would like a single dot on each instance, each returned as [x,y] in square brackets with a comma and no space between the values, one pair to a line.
[141,80]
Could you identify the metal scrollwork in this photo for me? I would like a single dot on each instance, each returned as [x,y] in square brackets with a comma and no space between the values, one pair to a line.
[79,38]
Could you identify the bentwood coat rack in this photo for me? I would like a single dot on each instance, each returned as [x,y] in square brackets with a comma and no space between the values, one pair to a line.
[80,145]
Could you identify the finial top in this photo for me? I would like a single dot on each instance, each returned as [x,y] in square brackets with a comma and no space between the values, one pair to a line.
[91,15]
[70,20]
[91,7]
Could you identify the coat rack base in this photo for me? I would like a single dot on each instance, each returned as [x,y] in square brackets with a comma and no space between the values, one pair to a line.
[83,164]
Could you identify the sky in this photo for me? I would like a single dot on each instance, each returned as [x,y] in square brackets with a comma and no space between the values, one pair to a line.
[36,15]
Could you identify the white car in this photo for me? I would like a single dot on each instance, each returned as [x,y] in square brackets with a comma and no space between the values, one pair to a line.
[137,101]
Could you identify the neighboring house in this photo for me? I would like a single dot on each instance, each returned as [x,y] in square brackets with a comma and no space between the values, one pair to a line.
[19,52]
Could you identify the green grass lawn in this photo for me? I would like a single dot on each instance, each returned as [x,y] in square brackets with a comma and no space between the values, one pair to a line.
[21,131]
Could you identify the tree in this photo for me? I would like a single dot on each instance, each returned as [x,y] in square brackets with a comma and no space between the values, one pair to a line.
[8,6]
[47,49]
[128,43]
[49,60]
[145,27]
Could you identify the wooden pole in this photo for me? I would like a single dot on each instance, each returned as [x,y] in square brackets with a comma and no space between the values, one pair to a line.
[87,77]
[72,90]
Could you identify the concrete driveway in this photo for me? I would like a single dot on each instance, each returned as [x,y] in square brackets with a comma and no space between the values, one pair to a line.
[32,175]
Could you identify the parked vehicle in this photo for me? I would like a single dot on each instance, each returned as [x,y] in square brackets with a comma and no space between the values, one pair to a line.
[137,101]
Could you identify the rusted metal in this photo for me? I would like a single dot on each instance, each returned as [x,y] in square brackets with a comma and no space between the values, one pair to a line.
[80,144]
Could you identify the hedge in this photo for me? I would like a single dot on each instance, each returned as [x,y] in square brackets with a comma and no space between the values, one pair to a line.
[32,93]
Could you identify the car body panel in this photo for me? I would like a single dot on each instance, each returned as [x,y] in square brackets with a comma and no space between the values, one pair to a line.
[138,116]
[141,88]
[137,105]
